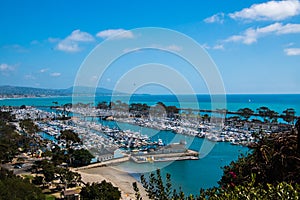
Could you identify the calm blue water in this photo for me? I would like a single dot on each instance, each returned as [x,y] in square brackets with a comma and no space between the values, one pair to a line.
[277,102]
[190,175]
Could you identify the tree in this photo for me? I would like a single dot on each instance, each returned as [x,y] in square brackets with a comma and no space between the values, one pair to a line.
[161,104]
[270,171]
[10,140]
[6,116]
[22,107]
[156,189]
[171,111]
[49,171]
[273,116]
[120,106]
[281,190]
[159,110]
[14,188]
[66,111]
[68,177]
[137,191]
[29,126]
[47,153]
[205,118]
[79,157]
[289,115]
[111,105]
[38,180]
[246,113]
[103,105]
[263,112]
[139,109]
[274,159]
[59,156]
[102,191]
[70,137]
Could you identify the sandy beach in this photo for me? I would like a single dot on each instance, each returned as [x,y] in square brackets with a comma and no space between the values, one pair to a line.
[118,178]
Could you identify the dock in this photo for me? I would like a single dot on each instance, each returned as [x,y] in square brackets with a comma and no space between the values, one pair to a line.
[165,157]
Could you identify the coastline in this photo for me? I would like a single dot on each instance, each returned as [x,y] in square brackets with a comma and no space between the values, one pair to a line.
[118,178]
[31,97]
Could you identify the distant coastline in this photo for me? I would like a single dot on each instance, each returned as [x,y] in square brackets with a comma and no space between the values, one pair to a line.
[4,97]
[18,92]
[7,91]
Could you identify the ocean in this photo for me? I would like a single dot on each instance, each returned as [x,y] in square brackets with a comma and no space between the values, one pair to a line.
[190,175]
[276,102]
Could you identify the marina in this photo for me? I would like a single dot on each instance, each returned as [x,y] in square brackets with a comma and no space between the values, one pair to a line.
[108,140]
[150,100]
[106,143]
[102,139]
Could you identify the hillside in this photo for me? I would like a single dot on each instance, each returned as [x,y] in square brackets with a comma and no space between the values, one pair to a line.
[16,91]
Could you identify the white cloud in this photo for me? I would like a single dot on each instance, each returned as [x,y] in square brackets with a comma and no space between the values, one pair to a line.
[80,36]
[218,47]
[217,18]
[68,46]
[292,51]
[205,46]
[44,70]
[115,34]
[6,68]
[71,43]
[289,28]
[55,74]
[251,35]
[215,47]
[271,10]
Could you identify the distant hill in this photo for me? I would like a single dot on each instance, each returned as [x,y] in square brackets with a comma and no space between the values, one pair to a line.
[7,90]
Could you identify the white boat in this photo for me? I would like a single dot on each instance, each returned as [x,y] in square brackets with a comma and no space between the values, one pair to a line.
[160,142]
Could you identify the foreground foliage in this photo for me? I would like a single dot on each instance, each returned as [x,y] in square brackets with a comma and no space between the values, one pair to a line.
[273,160]
[158,190]
[281,190]
[15,188]
[270,171]
[10,140]
[100,191]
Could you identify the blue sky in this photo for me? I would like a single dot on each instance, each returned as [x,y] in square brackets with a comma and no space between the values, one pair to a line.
[255,44]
